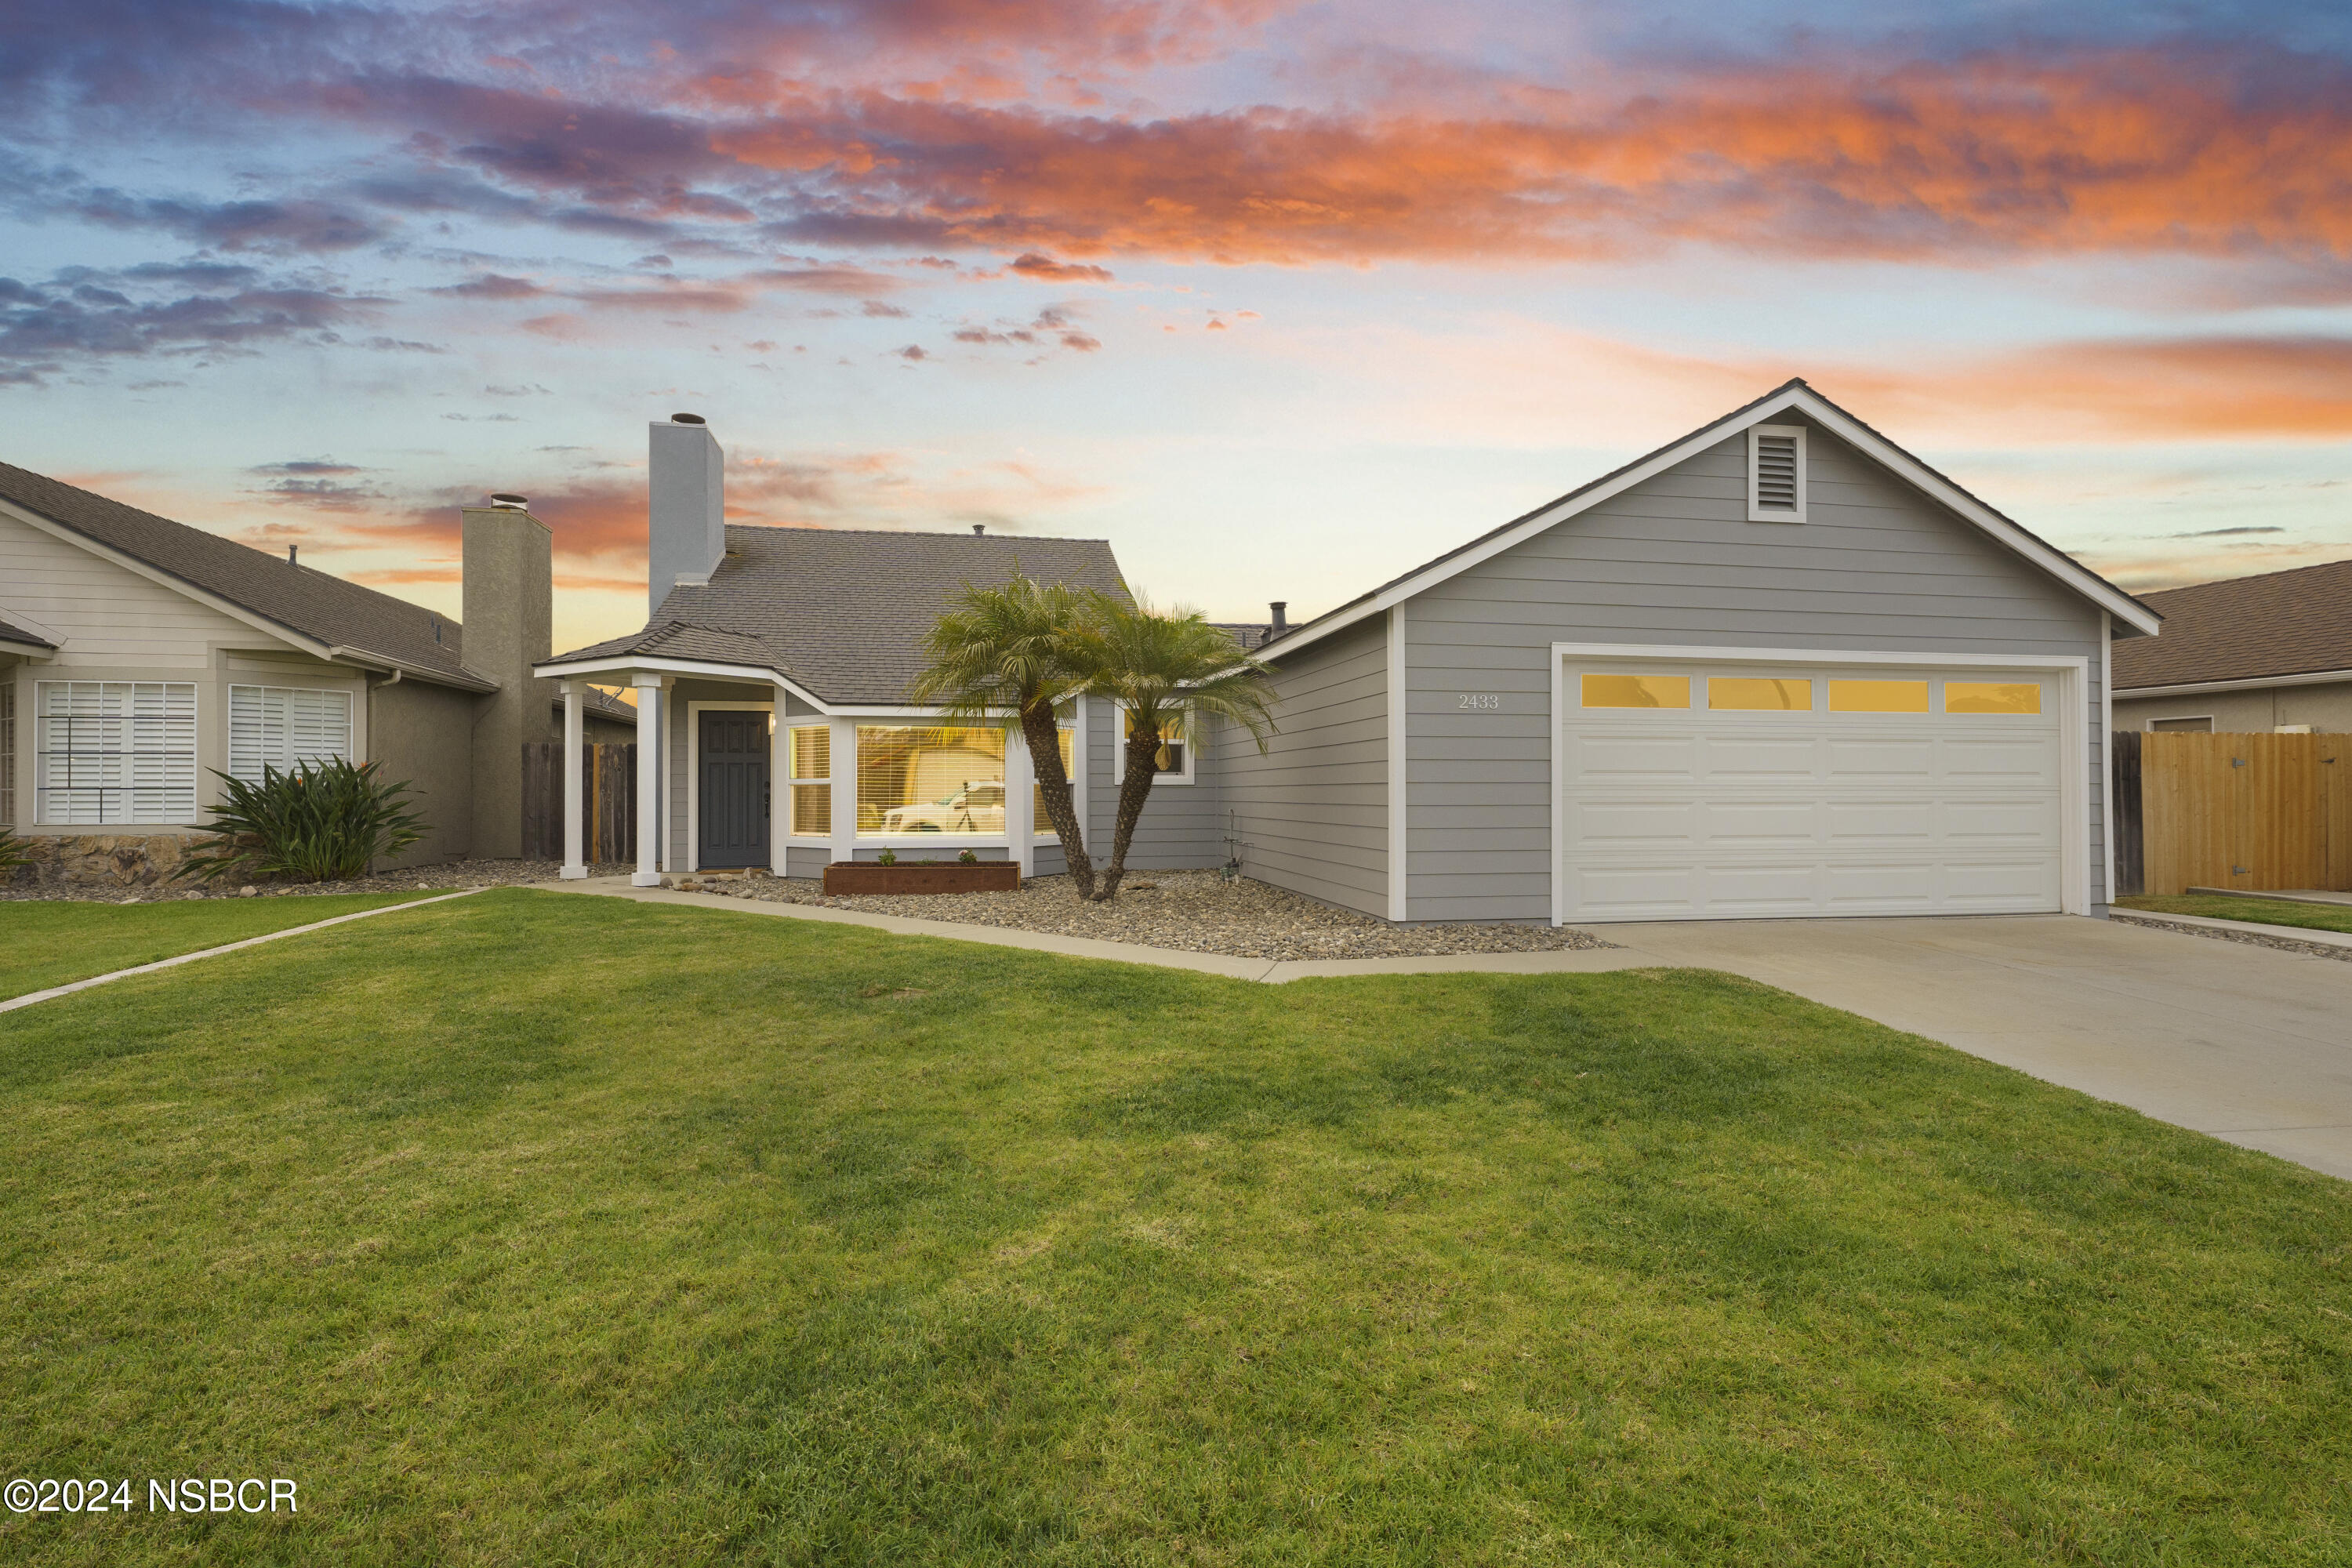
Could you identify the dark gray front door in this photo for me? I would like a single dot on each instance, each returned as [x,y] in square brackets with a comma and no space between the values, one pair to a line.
[732,809]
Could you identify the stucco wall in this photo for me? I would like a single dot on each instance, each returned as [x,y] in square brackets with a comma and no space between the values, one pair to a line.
[2325,708]
[424,733]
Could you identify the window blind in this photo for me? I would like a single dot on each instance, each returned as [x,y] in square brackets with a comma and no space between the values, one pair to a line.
[109,753]
[281,726]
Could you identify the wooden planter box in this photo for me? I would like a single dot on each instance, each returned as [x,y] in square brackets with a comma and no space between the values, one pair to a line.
[866,877]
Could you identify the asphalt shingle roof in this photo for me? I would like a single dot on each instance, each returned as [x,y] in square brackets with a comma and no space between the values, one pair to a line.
[19,635]
[843,612]
[2281,623]
[317,604]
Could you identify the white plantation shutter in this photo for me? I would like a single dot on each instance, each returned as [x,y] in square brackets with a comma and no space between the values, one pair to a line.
[281,726]
[109,753]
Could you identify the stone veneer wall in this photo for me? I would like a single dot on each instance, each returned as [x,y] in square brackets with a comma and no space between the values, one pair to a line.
[102,860]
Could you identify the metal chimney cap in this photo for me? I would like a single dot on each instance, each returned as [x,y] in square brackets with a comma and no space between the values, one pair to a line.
[688,419]
[977,529]
[507,500]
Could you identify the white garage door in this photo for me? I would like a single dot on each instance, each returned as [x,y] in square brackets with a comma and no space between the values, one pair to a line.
[1739,791]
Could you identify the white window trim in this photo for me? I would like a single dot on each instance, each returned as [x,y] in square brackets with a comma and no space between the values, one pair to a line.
[351,722]
[1757,511]
[1190,771]
[2077,791]
[917,840]
[31,748]
[2155,719]
[785,725]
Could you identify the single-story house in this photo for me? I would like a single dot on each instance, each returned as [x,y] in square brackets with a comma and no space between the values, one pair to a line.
[140,657]
[1779,667]
[2269,652]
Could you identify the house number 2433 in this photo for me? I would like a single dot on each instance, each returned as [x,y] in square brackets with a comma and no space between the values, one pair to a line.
[1477,700]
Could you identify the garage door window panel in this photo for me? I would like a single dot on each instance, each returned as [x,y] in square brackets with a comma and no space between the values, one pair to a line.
[1635,691]
[2009,698]
[1878,697]
[1755,694]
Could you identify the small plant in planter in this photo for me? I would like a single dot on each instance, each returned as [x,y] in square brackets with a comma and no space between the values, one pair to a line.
[887,857]
[967,858]
[321,822]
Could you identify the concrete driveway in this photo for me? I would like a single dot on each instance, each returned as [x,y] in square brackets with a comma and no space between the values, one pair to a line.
[2245,1042]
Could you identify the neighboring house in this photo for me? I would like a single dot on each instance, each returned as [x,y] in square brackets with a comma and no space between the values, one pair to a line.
[141,657]
[1777,667]
[2272,652]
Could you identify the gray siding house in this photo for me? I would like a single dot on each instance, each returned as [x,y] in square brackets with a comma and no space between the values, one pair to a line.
[1779,668]
[2266,652]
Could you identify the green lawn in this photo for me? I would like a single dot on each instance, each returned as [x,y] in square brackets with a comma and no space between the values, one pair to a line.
[2262,912]
[48,942]
[536,1227]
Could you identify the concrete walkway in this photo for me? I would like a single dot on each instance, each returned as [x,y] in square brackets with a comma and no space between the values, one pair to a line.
[2246,1043]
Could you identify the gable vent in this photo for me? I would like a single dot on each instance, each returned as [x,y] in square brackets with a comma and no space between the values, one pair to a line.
[1776,474]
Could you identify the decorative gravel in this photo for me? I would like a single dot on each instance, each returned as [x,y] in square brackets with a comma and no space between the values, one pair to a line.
[452,875]
[2251,938]
[1194,911]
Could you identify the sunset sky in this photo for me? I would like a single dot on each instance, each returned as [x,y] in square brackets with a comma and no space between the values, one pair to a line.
[1280,299]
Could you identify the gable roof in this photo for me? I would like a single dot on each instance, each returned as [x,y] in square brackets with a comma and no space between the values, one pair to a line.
[316,606]
[1793,396]
[19,636]
[2296,622]
[842,613]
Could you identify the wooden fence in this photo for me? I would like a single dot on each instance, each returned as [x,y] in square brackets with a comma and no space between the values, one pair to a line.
[2259,811]
[609,802]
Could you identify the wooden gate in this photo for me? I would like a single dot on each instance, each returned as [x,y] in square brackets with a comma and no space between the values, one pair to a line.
[609,802]
[2258,812]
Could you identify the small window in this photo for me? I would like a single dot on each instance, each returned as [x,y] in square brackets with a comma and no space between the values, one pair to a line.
[1775,473]
[282,727]
[2012,696]
[1174,756]
[1878,697]
[1741,693]
[809,756]
[2203,725]
[1636,690]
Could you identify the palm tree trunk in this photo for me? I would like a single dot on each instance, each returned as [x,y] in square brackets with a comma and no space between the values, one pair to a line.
[1143,766]
[1037,727]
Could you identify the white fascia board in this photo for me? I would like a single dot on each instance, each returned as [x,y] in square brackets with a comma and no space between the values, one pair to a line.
[32,650]
[630,663]
[2251,683]
[1669,654]
[179,586]
[1797,397]
[339,654]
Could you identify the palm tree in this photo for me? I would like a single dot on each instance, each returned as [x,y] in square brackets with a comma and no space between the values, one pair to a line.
[1169,670]
[1014,647]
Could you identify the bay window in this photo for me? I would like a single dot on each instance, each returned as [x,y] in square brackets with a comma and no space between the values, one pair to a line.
[929,778]
[810,757]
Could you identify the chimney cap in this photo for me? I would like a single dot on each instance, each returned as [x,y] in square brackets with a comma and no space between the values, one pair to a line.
[507,500]
[688,419]
[977,529]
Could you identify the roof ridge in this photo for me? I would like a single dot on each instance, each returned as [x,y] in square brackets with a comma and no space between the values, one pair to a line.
[920,532]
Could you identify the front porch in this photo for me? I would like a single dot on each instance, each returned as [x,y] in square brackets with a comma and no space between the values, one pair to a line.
[737,768]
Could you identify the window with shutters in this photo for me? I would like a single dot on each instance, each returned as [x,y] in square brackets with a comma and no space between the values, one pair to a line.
[1775,473]
[282,726]
[114,752]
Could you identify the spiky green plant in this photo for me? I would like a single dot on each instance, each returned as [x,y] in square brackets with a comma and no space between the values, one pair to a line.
[1013,648]
[15,855]
[322,821]
[1171,669]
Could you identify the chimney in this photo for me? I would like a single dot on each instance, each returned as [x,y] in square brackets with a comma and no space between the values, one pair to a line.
[685,507]
[509,622]
[977,529]
[1280,625]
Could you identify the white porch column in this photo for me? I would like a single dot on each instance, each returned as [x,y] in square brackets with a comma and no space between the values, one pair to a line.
[779,785]
[574,787]
[1020,800]
[649,770]
[845,788]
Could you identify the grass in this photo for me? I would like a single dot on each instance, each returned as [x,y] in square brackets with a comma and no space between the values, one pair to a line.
[2259,911]
[46,942]
[561,1229]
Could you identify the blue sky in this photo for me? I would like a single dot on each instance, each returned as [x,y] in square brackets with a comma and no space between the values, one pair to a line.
[1280,299]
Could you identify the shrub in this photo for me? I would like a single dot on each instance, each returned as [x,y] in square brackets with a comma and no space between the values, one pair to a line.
[15,855]
[322,822]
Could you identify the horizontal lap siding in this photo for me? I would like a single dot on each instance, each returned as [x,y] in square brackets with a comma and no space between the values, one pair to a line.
[1311,813]
[1674,561]
[1182,827]
[108,615]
